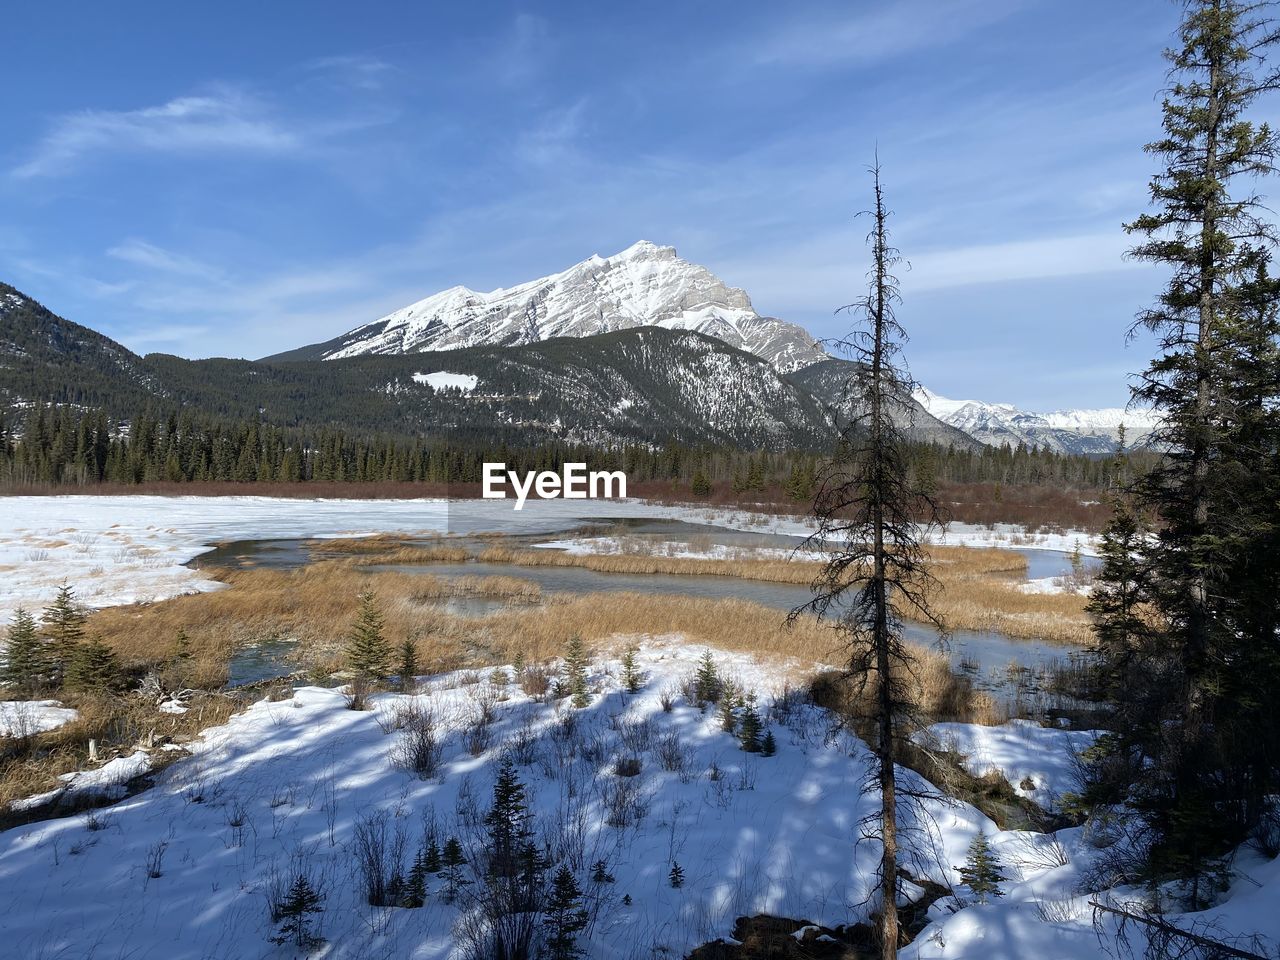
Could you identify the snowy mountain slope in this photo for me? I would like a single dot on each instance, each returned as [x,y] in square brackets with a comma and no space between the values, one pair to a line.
[829,381]
[643,385]
[1063,431]
[644,285]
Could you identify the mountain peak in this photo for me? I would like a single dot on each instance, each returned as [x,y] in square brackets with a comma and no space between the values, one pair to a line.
[646,250]
[644,285]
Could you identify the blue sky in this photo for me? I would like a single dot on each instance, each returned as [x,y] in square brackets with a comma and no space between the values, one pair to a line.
[241,178]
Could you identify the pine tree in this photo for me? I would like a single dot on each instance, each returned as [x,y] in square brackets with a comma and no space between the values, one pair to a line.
[431,859]
[408,665]
[870,508]
[676,876]
[729,701]
[982,871]
[1209,737]
[452,861]
[706,682]
[700,486]
[768,746]
[26,661]
[600,872]
[507,820]
[1118,605]
[516,866]
[564,917]
[575,673]
[749,735]
[415,887]
[93,668]
[632,680]
[368,655]
[294,913]
[63,624]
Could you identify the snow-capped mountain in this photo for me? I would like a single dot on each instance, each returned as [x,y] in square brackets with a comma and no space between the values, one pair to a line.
[644,285]
[1063,431]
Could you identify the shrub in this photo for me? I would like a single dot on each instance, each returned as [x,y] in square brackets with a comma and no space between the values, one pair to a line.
[420,748]
[627,766]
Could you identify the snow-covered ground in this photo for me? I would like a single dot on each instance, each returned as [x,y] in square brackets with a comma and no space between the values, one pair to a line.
[107,782]
[442,380]
[291,780]
[1039,762]
[677,549]
[21,718]
[1012,536]
[115,550]
[183,869]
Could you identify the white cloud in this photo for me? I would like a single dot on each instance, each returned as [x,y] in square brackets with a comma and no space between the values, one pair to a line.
[143,254]
[1020,260]
[356,71]
[872,35]
[223,120]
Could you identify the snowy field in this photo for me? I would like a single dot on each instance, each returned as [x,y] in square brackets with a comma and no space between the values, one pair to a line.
[115,550]
[21,718]
[184,870]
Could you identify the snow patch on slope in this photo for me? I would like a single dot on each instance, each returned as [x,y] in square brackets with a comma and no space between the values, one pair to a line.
[442,380]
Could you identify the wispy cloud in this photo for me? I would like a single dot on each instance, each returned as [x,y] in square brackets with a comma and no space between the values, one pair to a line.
[521,55]
[1034,259]
[553,140]
[148,255]
[223,120]
[878,31]
[356,71]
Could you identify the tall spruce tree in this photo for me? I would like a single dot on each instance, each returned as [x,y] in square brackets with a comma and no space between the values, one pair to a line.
[869,511]
[1208,679]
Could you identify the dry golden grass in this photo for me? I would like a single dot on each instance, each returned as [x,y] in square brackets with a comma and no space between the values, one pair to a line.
[315,605]
[736,625]
[979,587]
[387,549]
[774,571]
[118,724]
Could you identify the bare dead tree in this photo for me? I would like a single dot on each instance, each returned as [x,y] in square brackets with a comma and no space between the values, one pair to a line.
[871,519]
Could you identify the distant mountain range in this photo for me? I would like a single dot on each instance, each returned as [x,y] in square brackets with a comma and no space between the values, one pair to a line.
[1063,431]
[638,347]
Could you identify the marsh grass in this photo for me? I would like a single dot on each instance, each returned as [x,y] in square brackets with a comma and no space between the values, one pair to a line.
[980,587]
[118,725]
